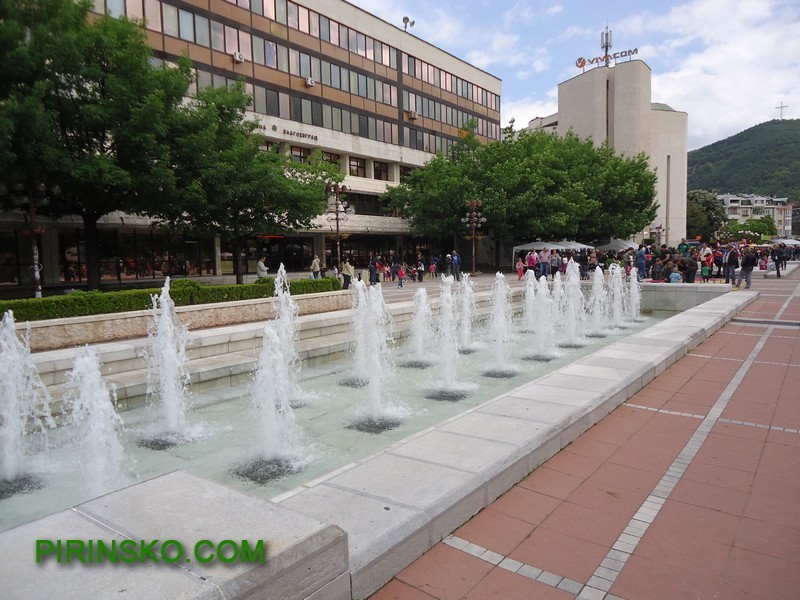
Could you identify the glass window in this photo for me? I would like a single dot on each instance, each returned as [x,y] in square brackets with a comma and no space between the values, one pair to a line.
[313,23]
[245,4]
[114,8]
[385,51]
[258,50]
[346,121]
[334,33]
[297,108]
[371,88]
[283,100]
[280,11]
[244,45]
[354,124]
[316,114]
[273,107]
[392,58]
[283,59]
[342,36]
[316,70]
[325,75]
[201,33]
[381,171]
[306,111]
[302,18]
[203,79]
[152,13]
[335,73]
[269,9]
[291,14]
[361,41]
[370,49]
[362,85]
[186,21]
[337,119]
[270,54]
[300,154]
[231,39]
[378,91]
[378,51]
[354,82]
[219,81]
[257,6]
[260,99]
[352,41]
[358,167]
[370,128]
[363,125]
[134,9]
[324,28]
[305,65]
[217,36]
[294,62]
[332,158]
[327,117]
[170,20]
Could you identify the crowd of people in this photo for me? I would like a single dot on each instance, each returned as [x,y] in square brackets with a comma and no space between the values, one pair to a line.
[690,260]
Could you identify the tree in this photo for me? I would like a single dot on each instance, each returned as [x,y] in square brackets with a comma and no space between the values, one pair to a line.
[753,230]
[227,185]
[705,214]
[87,114]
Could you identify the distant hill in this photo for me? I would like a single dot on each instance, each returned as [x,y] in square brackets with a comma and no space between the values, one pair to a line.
[764,159]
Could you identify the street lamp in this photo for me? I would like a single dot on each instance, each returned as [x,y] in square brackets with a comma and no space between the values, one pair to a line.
[338,213]
[473,221]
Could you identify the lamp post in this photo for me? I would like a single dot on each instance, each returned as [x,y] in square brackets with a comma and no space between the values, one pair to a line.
[337,213]
[473,221]
[37,196]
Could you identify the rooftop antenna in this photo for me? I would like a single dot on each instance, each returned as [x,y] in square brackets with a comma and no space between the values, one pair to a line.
[606,43]
[781,107]
[407,23]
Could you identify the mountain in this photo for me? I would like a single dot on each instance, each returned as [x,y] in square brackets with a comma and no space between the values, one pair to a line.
[764,159]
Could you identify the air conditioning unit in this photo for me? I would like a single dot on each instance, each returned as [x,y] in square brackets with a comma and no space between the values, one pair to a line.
[412,114]
[238,57]
[310,82]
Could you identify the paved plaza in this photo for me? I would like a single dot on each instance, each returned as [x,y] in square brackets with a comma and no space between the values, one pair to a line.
[690,489]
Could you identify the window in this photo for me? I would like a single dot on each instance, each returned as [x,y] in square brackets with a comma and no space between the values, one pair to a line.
[324,28]
[258,50]
[134,9]
[405,172]
[358,167]
[170,20]
[260,99]
[273,108]
[381,171]
[202,36]
[271,54]
[300,154]
[217,36]
[231,39]
[332,158]
[152,12]
[186,20]
[291,15]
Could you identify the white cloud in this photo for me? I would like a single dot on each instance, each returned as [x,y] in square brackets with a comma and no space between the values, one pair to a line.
[525,109]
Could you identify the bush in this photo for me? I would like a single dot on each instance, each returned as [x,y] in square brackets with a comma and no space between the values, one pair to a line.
[184,292]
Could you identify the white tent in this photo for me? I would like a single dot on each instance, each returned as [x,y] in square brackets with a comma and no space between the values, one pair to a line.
[617,244]
[787,241]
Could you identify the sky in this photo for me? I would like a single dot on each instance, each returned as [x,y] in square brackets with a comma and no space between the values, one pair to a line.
[727,63]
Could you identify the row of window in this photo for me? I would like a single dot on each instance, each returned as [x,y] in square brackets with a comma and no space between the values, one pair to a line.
[433,109]
[308,21]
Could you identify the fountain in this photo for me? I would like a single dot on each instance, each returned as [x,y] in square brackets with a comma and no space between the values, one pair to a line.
[597,309]
[572,314]
[24,410]
[558,298]
[95,425]
[616,296]
[466,311]
[421,331]
[633,306]
[447,388]
[544,336]
[373,324]
[167,375]
[275,393]
[500,324]
[529,303]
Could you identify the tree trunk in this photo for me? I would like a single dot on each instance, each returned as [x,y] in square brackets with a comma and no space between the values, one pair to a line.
[92,252]
[237,261]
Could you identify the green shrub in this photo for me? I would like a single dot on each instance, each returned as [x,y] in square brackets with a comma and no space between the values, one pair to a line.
[184,292]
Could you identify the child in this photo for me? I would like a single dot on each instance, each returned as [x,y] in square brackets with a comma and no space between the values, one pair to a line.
[520,269]
[675,276]
[413,273]
[705,271]
[401,275]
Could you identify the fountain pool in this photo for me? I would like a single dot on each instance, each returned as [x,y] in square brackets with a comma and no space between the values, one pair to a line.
[227,433]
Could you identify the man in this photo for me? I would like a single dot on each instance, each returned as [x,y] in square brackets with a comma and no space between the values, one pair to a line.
[731,263]
[683,247]
[641,262]
[456,266]
[544,262]
[777,259]
[687,265]
[262,270]
[749,261]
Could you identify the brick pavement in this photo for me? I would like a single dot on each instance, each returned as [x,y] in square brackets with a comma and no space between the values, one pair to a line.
[691,489]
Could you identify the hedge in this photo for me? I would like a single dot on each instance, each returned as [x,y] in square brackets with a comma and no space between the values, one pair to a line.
[184,292]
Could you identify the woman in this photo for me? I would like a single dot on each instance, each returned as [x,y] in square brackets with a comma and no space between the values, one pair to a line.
[315,267]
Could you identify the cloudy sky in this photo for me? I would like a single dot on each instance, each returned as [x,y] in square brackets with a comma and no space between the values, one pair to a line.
[727,63]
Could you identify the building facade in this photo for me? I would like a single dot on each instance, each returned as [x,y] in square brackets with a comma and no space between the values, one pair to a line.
[612,104]
[324,74]
[743,207]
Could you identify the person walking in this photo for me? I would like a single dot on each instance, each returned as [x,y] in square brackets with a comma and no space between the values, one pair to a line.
[348,273]
[641,262]
[749,262]
[315,267]
[731,263]
[777,259]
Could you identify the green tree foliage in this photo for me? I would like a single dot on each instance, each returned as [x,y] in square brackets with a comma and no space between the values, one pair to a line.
[85,112]
[533,185]
[752,230]
[705,214]
[764,159]
[227,184]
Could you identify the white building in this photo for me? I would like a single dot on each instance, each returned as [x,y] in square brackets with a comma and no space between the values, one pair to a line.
[742,207]
[613,105]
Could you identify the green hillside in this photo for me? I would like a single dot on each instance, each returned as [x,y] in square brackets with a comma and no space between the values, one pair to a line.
[764,159]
